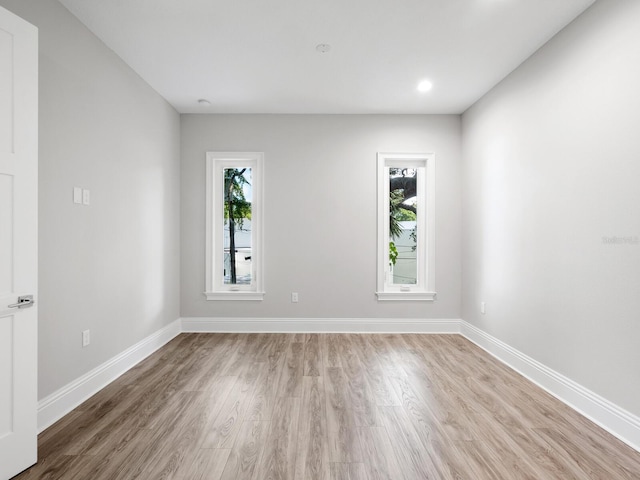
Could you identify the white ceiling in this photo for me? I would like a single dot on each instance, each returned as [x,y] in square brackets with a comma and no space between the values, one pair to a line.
[259,56]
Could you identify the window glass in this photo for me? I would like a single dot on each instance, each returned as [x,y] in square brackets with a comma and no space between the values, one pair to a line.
[403,228]
[237,226]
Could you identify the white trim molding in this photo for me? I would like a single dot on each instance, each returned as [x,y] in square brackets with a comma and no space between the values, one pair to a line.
[216,165]
[617,421]
[422,166]
[258,296]
[408,295]
[320,325]
[53,407]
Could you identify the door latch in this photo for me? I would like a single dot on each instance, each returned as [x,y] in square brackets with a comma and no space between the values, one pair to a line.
[24,301]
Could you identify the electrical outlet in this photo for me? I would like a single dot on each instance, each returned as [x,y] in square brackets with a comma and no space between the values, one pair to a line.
[483,308]
[294,297]
[86,337]
[86,197]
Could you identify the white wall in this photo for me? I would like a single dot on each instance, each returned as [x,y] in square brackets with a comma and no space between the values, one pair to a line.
[320,211]
[112,267]
[551,166]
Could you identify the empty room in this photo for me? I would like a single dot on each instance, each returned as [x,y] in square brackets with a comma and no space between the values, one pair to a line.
[341,240]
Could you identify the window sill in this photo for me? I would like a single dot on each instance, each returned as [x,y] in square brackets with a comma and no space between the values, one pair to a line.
[406,296]
[249,296]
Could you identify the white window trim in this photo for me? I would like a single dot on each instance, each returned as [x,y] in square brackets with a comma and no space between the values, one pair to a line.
[215,288]
[424,290]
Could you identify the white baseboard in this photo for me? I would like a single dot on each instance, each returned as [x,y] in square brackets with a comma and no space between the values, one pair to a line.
[59,403]
[320,325]
[617,421]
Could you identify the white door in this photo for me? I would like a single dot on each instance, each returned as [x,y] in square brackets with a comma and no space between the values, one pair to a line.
[18,243]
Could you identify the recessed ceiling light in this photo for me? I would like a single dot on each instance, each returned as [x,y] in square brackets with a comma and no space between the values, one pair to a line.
[323,47]
[204,102]
[425,86]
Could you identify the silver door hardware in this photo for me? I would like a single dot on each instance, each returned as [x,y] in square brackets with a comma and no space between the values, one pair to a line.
[23,302]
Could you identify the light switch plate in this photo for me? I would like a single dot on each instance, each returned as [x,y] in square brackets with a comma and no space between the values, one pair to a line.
[77,195]
[86,337]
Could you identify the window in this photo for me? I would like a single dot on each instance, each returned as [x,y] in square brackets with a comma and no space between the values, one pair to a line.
[234,226]
[406,222]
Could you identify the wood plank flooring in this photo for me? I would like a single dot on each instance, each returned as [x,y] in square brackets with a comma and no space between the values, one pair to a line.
[326,407]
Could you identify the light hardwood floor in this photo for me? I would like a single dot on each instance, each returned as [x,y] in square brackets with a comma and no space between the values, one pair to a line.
[330,407]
